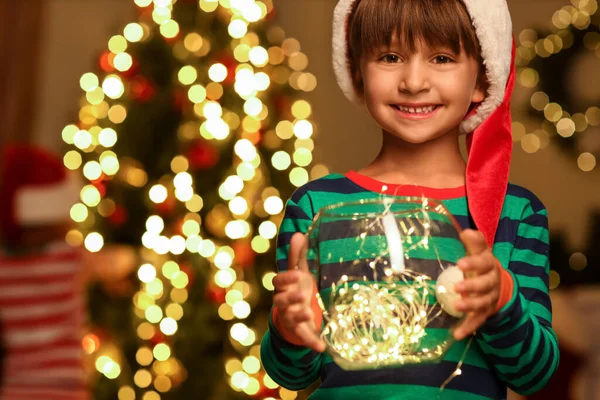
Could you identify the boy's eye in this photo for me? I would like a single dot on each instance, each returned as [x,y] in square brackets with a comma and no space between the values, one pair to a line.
[443,60]
[390,58]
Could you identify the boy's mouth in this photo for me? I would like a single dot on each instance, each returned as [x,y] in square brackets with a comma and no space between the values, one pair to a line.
[416,113]
[418,110]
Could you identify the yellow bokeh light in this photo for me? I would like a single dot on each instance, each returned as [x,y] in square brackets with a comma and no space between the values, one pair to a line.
[269,382]
[90,196]
[267,229]
[72,160]
[117,44]
[193,42]
[179,164]
[145,331]
[194,204]
[303,129]
[197,94]
[281,160]
[260,244]
[142,378]
[207,248]
[158,193]
[144,356]
[117,114]
[113,87]
[246,171]
[174,311]
[179,280]
[155,224]
[168,326]
[92,170]
[225,277]
[245,150]
[298,176]
[212,110]
[161,352]
[586,162]
[146,273]
[109,163]
[123,61]
[82,139]
[160,15]
[237,28]
[253,106]
[217,72]
[94,242]
[259,56]
[155,288]
[89,81]
[95,96]
[301,109]
[253,387]
[273,205]
[190,228]
[223,259]
[240,380]
[126,393]
[251,364]
[68,133]
[79,212]
[241,309]
[162,383]
[177,245]
[225,312]
[285,130]
[169,269]
[153,314]
[107,137]
[74,238]
[209,5]
[238,205]
[302,157]
[151,395]
[565,127]
[169,29]
[233,296]
[133,32]
[182,179]
[267,280]
[187,75]
[233,365]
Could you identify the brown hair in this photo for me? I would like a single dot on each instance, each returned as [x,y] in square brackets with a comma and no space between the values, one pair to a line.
[373,24]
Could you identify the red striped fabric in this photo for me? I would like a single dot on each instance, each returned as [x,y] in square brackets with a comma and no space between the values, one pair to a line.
[42,311]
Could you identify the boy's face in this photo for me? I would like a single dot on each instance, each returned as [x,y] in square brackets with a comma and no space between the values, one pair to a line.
[397,83]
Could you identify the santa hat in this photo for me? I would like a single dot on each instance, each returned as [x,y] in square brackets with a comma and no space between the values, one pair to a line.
[488,126]
[36,190]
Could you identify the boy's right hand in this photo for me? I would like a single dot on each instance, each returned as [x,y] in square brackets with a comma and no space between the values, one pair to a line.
[297,315]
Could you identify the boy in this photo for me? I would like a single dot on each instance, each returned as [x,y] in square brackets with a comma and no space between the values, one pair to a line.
[428,71]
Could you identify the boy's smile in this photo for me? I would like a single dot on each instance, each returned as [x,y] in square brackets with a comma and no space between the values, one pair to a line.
[421,96]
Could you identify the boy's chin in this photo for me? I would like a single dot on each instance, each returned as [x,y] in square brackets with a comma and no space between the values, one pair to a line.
[415,137]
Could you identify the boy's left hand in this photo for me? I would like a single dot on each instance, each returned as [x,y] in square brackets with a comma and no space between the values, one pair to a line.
[481,288]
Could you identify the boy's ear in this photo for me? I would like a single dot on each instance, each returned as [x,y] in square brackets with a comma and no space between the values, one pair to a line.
[481,89]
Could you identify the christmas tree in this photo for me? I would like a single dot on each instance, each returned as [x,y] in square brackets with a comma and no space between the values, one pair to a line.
[191,134]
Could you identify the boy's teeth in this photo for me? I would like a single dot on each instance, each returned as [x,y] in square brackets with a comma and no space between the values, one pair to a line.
[418,110]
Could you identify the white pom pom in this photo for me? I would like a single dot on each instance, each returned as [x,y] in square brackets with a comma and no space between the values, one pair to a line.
[444,290]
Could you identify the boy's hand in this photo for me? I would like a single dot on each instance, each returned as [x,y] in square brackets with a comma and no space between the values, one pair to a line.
[481,288]
[294,299]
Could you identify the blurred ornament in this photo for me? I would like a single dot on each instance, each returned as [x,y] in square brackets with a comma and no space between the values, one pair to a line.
[141,89]
[244,255]
[119,216]
[444,290]
[106,61]
[112,263]
[166,207]
[202,155]
[215,293]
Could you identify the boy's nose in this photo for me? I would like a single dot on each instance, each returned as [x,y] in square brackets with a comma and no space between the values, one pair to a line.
[414,78]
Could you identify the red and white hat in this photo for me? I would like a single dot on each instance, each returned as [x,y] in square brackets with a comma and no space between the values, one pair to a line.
[36,189]
[488,126]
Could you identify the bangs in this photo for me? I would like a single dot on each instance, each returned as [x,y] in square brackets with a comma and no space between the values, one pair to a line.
[374,24]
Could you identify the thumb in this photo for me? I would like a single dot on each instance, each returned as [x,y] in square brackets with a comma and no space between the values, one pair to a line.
[474,241]
[297,252]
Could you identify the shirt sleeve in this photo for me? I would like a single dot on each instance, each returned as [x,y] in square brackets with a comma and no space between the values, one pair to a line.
[291,366]
[519,341]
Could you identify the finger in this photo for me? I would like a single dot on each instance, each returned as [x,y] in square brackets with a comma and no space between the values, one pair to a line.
[469,325]
[283,279]
[295,251]
[480,285]
[474,241]
[480,263]
[310,337]
[286,299]
[302,262]
[479,304]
